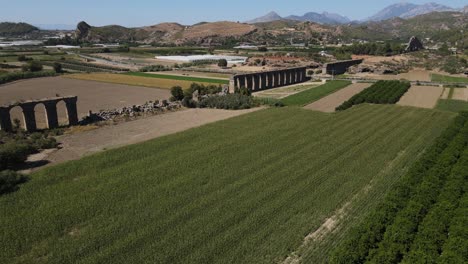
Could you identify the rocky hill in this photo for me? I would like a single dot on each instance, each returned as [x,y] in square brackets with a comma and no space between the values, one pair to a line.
[16,29]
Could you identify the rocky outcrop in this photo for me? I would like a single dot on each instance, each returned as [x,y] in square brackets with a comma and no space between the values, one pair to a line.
[414,45]
[82,30]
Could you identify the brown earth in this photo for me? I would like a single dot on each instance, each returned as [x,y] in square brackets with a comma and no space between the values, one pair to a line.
[329,103]
[422,96]
[77,145]
[222,28]
[92,95]
[460,94]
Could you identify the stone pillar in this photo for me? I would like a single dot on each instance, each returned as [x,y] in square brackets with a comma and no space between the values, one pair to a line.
[5,119]
[72,111]
[270,80]
[284,77]
[29,117]
[296,80]
[290,76]
[51,114]
[249,82]
[263,81]
[279,80]
[256,82]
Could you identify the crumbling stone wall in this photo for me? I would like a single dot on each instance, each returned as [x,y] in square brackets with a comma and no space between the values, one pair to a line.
[29,115]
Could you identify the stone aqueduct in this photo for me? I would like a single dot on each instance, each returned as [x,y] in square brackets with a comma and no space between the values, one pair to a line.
[266,80]
[29,116]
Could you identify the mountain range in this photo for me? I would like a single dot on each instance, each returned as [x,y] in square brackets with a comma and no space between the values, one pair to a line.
[401,10]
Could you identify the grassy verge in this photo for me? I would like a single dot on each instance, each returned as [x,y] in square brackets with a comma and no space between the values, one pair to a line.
[448,79]
[178,78]
[314,94]
[244,190]
[452,105]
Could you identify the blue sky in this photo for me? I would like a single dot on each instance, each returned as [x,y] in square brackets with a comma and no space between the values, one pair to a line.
[147,12]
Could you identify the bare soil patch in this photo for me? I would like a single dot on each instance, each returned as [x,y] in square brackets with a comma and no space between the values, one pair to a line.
[460,94]
[422,96]
[75,146]
[92,95]
[329,103]
[414,75]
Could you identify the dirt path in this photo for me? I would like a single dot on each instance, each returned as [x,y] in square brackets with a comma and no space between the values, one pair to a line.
[75,146]
[422,96]
[330,102]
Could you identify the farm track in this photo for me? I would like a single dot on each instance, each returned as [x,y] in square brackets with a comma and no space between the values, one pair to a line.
[248,189]
[329,103]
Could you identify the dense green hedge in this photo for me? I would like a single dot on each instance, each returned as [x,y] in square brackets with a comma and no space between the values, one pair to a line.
[382,92]
[15,76]
[229,101]
[417,210]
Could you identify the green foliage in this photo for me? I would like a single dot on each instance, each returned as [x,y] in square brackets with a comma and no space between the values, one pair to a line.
[180,78]
[381,49]
[243,190]
[58,67]
[243,91]
[222,63]
[448,79]
[9,181]
[410,224]
[229,101]
[155,68]
[177,93]
[23,58]
[382,92]
[314,94]
[452,105]
[15,29]
[32,66]
[15,76]
[453,65]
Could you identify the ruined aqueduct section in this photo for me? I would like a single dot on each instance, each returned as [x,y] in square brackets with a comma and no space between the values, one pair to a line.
[50,109]
[339,67]
[266,80]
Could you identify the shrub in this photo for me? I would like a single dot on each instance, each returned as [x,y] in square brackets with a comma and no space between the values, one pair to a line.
[177,93]
[230,101]
[155,68]
[32,66]
[14,154]
[222,63]
[9,181]
[14,76]
[58,67]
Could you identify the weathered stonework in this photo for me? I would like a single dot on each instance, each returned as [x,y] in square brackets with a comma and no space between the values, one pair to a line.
[267,80]
[339,67]
[414,45]
[29,117]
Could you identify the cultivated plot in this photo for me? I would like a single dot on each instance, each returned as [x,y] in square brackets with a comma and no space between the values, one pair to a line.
[329,103]
[244,190]
[422,96]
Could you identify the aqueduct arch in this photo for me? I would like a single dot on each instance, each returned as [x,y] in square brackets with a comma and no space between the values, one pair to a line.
[29,116]
[269,79]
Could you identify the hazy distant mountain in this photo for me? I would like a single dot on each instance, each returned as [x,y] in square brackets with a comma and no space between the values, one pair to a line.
[324,18]
[272,16]
[408,10]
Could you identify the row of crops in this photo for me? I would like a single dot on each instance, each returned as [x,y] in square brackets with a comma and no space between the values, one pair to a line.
[382,92]
[92,65]
[424,218]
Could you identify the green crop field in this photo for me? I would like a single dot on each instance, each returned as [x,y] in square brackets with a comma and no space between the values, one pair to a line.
[452,105]
[179,78]
[243,190]
[314,94]
[448,79]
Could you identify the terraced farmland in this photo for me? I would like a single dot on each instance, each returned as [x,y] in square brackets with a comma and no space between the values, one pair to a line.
[244,190]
